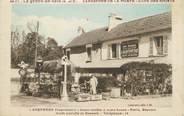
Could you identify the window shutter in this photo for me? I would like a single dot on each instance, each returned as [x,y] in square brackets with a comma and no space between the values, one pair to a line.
[151,47]
[165,44]
[118,50]
[104,52]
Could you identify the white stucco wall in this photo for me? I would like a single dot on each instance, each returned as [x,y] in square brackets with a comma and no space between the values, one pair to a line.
[99,56]
[81,58]
[78,59]
[144,46]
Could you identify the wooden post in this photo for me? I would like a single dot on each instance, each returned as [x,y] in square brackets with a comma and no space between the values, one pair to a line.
[36,42]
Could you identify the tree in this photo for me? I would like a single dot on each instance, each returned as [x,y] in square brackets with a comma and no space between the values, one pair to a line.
[23,46]
[51,43]
[53,51]
[26,50]
[18,35]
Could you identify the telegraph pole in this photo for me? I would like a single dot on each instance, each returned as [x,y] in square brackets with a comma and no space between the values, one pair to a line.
[36,53]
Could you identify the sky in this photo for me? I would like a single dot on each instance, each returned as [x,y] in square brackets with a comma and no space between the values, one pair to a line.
[61,21]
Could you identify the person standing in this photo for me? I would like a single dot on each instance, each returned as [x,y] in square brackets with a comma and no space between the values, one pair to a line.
[93,84]
[23,72]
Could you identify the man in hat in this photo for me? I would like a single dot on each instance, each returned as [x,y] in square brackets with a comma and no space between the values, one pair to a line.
[93,84]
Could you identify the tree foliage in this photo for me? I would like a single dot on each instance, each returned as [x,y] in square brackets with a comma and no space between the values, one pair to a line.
[151,76]
[26,51]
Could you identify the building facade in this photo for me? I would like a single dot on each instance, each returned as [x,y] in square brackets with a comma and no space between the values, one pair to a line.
[106,49]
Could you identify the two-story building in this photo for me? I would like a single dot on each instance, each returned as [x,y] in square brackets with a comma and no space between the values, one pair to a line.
[105,50]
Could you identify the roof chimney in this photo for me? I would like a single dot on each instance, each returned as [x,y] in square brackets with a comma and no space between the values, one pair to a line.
[114,20]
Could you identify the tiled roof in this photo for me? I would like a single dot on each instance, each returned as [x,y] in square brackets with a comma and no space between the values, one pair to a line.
[135,27]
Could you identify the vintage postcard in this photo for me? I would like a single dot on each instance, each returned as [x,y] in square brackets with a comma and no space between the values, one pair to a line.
[92,58]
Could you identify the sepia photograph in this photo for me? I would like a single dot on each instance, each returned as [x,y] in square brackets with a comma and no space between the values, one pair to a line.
[105,54]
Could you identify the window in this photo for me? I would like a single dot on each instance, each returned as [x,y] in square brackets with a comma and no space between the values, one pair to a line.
[68,54]
[114,50]
[89,54]
[129,48]
[159,44]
